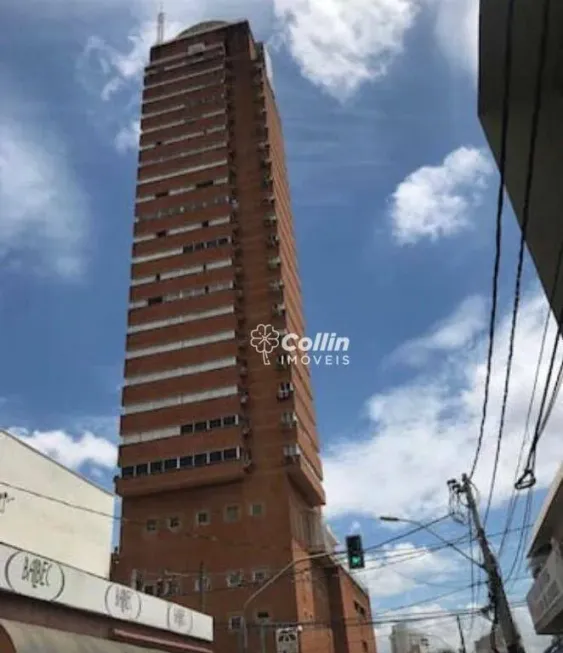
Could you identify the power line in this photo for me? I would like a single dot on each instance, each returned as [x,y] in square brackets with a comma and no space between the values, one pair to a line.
[355,622]
[498,236]
[540,72]
[151,577]
[514,496]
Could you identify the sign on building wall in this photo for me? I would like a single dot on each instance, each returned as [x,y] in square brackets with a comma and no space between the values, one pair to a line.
[34,576]
[287,640]
[26,573]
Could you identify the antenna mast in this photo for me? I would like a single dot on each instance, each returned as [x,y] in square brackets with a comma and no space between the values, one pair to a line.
[160,25]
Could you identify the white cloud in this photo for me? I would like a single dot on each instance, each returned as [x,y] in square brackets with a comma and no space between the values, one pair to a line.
[340,44]
[71,451]
[456,31]
[402,568]
[44,214]
[128,137]
[458,330]
[426,429]
[436,201]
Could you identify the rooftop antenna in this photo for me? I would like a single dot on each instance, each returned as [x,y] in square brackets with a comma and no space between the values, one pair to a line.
[160,25]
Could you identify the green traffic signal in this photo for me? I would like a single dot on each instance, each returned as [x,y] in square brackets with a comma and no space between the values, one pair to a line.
[355,552]
[356,562]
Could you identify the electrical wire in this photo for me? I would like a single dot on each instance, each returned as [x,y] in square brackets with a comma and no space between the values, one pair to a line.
[498,237]
[520,551]
[354,622]
[514,496]
[527,478]
[534,131]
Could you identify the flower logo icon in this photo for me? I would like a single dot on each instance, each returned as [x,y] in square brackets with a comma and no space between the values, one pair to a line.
[264,338]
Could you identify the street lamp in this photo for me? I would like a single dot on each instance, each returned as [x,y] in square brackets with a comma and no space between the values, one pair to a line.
[427,528]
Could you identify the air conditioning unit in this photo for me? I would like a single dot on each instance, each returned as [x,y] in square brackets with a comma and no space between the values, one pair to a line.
[274,263]
[278,310]
[289,419]
[291,451]
[244,398]
[277,285]
[270,219]
[273,240]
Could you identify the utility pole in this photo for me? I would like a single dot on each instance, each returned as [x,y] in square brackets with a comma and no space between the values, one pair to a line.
[509,631]
[201,587]
[262,638]
[461,637]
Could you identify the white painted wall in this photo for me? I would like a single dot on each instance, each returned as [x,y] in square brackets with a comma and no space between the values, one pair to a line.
[73,537]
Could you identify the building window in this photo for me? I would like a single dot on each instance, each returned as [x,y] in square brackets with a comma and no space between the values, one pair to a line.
[142,470]
[234,579]
[174,523]
[202,584]
[263,617]
[256,509]
[187,428]
[127,472]
[173,587]
[202,518]
[230,454]
[186,461]
[200,426]
[231,420]
[232,513]
[259,575]
[200,459]
[235,622]
[215,423]
[149,589]
[156,466]
[151,525]
[170,463]
[216,457]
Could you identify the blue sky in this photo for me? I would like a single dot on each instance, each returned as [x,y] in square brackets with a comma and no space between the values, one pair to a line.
[393,194]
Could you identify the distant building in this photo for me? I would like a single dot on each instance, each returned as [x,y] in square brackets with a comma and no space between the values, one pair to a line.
[38,520]
[405,640]
[545,598]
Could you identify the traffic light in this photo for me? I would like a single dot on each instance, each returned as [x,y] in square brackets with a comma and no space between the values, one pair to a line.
[355,552]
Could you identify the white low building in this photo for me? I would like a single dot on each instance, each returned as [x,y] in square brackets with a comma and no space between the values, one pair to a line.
[33,516]
[545,598]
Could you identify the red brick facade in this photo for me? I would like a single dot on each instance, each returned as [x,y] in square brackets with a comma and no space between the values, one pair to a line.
[221,475]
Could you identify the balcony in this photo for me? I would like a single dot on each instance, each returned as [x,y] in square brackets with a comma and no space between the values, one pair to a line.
[545,599]
[319,536]
[179,479]
[303,475]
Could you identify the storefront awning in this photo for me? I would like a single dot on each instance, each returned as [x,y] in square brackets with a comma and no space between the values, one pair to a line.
[17,637]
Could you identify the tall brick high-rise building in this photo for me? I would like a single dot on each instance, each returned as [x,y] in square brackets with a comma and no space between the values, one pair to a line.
[221,477]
